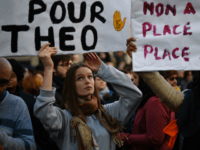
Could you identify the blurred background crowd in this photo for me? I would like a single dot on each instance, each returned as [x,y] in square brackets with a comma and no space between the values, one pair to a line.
[32,70]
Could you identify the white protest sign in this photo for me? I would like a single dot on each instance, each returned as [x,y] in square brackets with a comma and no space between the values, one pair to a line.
[74,27]
[167,34]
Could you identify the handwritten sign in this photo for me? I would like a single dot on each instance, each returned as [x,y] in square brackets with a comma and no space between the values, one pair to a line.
[167,34]
[74,27]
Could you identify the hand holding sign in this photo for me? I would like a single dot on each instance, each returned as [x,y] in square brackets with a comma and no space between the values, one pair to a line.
[45,55]
[131,47]
[118,24]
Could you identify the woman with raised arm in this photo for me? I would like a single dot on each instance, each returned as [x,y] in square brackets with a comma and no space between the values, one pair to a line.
[83,123]
[186,104]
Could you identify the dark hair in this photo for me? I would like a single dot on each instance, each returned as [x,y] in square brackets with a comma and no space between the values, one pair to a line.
[18,69]
[125,71]
[196,88]
[186,73]
[146,91]
[167,74]
[32,71]
[57,58]
[69,94]
[40,69]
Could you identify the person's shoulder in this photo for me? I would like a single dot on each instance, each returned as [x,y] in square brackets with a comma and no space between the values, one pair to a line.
[16,100]
[188,92]
[14,97]
[188,95]
[153,100]
[154,103]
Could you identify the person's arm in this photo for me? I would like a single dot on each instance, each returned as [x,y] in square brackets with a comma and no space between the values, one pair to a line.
[171,97]
[50,116]
[156,120]
[167,94]
[22,137]
[130,95]
[45,56]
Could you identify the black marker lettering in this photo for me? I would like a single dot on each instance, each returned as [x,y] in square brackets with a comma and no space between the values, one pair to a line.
[39,38]
[33,11]
[14,29]
[83,38]
[68,37]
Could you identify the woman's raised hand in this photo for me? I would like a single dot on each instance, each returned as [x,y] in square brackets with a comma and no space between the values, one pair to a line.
[131,47]
[92,61]
[45,55]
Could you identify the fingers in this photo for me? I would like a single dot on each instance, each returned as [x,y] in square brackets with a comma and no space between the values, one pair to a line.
[44,46]
[50,48]
[131,45]
[131,40]
[47,51]
[130,48]
[87,58]
[91,56]
[51,52]
[96,56]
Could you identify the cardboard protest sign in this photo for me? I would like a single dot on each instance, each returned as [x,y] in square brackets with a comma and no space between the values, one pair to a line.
[74,27]
[167,34]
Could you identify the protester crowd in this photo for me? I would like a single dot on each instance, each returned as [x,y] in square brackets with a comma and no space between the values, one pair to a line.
[96,102]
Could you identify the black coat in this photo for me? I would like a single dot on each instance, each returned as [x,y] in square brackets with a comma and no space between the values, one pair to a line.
[58,84]
[42,137]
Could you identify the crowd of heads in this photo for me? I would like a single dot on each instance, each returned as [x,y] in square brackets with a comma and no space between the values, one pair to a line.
[30,78]
[61,65]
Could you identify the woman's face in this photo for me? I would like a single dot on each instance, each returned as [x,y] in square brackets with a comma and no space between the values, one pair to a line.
[173,80]
[84,82]
[189,76]
[130,75]
[136,79]
[13,81]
